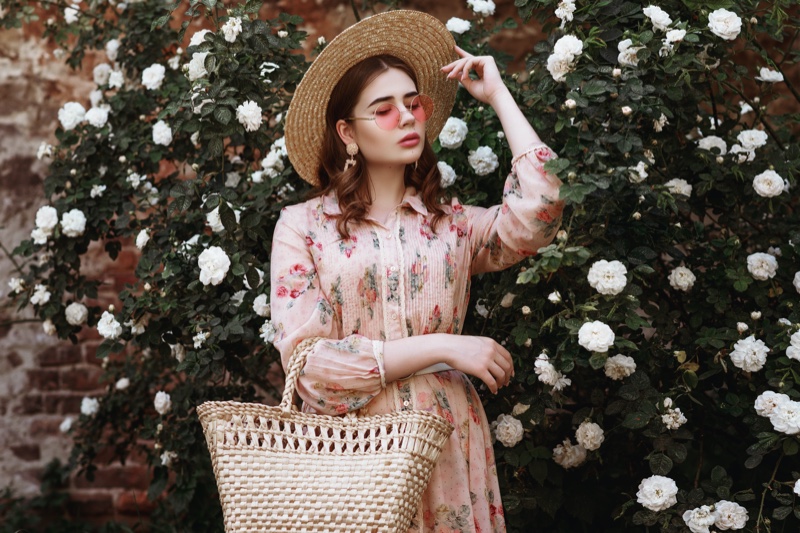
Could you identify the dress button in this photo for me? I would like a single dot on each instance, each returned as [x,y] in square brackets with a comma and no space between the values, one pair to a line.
[406,403]
[393,268]
[394,316]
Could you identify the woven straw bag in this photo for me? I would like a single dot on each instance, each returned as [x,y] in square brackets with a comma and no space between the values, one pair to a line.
[283,471]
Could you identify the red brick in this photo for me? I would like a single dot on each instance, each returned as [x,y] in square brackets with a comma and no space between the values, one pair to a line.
[132,502]
[3,406]
[90,504]
[60,355]
[42,379]
[71,405]
[128,477]
[26,452]
[81,379]
[14,359]
[45,426]
[30,405]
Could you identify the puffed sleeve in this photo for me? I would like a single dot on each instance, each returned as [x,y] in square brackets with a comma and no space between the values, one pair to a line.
[527,220]
[340,374]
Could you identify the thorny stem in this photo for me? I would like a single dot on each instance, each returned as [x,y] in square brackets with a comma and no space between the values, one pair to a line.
[760,518]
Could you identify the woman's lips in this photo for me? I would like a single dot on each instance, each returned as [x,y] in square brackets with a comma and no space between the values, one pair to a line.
[410,140]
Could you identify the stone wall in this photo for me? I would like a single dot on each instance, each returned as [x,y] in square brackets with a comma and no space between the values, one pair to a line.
[42,379]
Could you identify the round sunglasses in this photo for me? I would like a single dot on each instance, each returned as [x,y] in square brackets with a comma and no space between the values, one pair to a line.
[387,116]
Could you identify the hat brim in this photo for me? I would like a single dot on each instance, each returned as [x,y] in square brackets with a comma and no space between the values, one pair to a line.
[417,38]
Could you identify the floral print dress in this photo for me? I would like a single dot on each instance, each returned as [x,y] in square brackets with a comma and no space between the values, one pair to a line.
[393,280]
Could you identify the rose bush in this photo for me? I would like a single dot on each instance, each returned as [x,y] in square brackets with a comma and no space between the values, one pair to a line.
[682,227]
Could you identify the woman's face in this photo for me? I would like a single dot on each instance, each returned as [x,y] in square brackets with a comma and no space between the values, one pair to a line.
[399,146]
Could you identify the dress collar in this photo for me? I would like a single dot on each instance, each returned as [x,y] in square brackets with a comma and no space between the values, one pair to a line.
[411,198]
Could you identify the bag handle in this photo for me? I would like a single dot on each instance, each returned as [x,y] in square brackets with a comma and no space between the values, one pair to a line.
[296,362]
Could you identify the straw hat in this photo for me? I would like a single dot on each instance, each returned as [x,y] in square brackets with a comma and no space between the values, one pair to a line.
[417,38]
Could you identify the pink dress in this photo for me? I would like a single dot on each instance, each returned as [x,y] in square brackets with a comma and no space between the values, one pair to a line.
[399,279]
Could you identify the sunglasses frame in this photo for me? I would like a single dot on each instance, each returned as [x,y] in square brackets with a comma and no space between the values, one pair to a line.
[399,112]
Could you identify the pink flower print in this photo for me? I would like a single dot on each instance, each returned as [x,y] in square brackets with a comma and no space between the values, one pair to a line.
[281,292]
[347,246]
[298,269]
[434,320]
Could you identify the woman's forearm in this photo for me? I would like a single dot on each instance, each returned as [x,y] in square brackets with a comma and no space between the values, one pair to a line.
[403,357]
[519,133]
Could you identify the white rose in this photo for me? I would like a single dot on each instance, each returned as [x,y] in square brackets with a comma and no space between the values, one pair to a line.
[482,7]
[755,315]
[116,80]
[261,306]
[100,73]
[232,28]
[162,402]
[679,186]
[682,279]
[508,430]
[752,139]
[283,34]
[725,24]
[673,418]
[178,352]
[267,331]
[768,401]
[448,174]
[568,46]
[215,222]
[762,266]
[559,66]
[112,47]
[73,223]
[483,160]
[197,68]
[97,116]
[741,327]
[273,163]
[71,115]
[675,36]
[770,76]
[554,297]
[40,295]
[66,425]
[569,103]
[153,76]
[200,338]
[729,515]
[627,53]
[95,97]
[48,327]
[658,125]
[712,141]
[660,19]
[638,173]
[40,236]
[596,336]
[457,25]
[89,406]
[796,281]
[785,418]
[565,11]
[214,264]
[626,110]
[249,115]
[122,383]
[619,367]
[162,133]
[657,493]
[589,435]
[793,350]
[749,354]
[16,285]
[142,238]
[454,132]
[76,313]
[608,277]
[768,184]
[699,519]
[568,455]
[198,37]
[797,487]
[108,327]
[71,14]
[167,457]
[46,218]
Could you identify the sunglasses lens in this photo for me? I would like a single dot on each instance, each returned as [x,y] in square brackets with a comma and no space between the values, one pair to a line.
[387,117]
[422,107]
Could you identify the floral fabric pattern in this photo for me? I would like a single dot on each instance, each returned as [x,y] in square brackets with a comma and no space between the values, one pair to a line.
[400,278]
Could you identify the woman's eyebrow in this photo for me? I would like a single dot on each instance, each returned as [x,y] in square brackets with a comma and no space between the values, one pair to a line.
[387,98]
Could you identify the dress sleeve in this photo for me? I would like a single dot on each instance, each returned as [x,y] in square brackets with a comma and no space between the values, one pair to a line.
[340,374]
[527,220]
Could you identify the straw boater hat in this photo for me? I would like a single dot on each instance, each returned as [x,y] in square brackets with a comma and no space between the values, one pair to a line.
[419,39]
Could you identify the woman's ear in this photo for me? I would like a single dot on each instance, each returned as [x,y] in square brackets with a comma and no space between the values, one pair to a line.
[345,131]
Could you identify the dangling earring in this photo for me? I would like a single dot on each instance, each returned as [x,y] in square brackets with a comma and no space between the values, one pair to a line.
[352,150]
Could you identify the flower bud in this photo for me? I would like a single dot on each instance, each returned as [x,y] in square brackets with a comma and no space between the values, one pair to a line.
[616,72]
[741,327]
[122,159]
[147,286]
[528,343]
[526,310]
[72,172]
[561,236]
[570,103]
[636,216]
[720,159]
[755,315]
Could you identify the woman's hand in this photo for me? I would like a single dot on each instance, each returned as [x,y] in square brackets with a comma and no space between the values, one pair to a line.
[481,357]
[489,83]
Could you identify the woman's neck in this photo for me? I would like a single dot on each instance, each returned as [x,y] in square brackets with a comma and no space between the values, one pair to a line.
[387,187]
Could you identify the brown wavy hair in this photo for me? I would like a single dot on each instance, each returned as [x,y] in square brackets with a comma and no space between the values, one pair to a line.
[352,186]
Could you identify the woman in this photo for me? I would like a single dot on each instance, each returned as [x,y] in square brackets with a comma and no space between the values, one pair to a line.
[379,269]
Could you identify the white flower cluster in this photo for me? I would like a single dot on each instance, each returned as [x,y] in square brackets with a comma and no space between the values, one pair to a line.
[153,76]
[40,295]
[448,174]
[565,11]
[142,238]
[548,374]
[589,435]
[108,326]
[608,277]
[569,455]
[162,402]
[793,350]
[71,114]
[770,76]
[508,430]
[627,53]
[682,279]
[76,313]
[563,59]
[196,68]
[596,336]
[483,160]
[482,7]
[679,186]
[453,133]
[712,141]
[162,133]
[249,115]
[261,306]
[660,18]
[73,223]
[672,418]
[749,354]
[725,24]
[214,264]
[762,266]
[657,493]
[769,184]
[457,25]
[670,39]
[619,367]
[46,222]
[749,141]
[724,515]
[267,331]
[232,28]
[782,411]
[89,406]
[638,173]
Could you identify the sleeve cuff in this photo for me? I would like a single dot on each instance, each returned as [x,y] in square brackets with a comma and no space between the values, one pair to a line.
[528,150]
[377,349]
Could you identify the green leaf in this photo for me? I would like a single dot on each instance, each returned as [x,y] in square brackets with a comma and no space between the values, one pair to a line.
[636,420]
[641,254]
[595,87]
[598,360]
[227,217]
[660,464]
[223,115]
[780,513]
